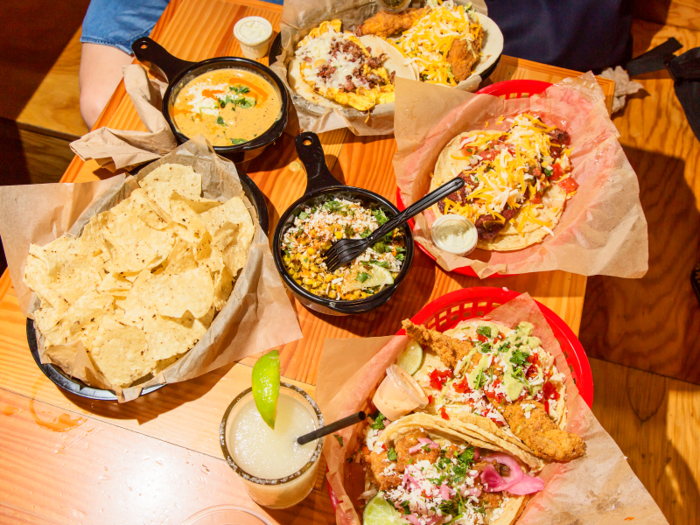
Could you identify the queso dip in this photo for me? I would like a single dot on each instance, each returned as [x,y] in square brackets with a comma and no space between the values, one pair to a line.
[227,106]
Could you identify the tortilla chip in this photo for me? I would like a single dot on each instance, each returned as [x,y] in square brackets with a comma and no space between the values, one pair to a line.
[164,180]
[169,336]
[219,222]
[121,353]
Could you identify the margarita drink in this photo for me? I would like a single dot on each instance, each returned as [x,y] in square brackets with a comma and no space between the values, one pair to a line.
[276,471]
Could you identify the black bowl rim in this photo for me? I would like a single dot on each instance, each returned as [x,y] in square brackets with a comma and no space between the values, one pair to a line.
[69,384]
[267,138]
[346,307]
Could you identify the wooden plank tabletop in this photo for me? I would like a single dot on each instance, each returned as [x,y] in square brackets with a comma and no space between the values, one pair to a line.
[157,459]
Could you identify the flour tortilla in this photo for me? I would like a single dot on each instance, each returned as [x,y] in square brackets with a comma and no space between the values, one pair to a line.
[396,62]
[554,200]
[444,434]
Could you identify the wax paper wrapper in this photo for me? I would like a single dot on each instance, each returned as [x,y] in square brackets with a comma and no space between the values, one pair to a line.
[602,230]
[257,316]
[301,16]
[597,489]
[115,149]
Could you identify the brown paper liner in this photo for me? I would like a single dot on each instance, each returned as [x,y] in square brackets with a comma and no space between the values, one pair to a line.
[599,488]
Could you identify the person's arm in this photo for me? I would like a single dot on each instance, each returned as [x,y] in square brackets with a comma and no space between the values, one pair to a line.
[100,73]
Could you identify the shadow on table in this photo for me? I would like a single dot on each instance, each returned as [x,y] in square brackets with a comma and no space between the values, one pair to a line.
[653,323]
[150,406]
[640,412]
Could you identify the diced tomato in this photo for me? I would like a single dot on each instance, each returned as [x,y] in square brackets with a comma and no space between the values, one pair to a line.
[550,391]
[557,172]
[430,400]
[438,378]
[467,151]
[537,199]
[531,372]
[569,185]
[463,386]
[443,414]
[533,358]
[499,423]
[482,338]
[488,154]
[537,173]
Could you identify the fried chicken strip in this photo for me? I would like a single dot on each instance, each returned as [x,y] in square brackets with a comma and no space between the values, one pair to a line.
[461,57]
[540,433]
[384,24]
[448,349]
[379,462]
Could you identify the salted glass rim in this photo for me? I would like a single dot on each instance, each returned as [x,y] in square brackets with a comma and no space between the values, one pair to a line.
[262,481]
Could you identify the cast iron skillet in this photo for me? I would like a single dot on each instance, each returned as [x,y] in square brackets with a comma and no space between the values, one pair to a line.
[70,384]
[179,72]
[320,183]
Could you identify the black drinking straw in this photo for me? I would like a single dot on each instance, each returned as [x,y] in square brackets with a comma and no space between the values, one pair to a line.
[324,431]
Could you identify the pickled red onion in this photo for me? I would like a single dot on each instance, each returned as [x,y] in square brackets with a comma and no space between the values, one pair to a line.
[421,443]
[517,482]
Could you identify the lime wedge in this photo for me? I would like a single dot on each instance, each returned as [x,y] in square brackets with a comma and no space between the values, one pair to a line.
[380,512]
[266,386]
[411,358]
[377,277]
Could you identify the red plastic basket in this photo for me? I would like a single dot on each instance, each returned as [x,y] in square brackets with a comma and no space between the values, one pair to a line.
[449,310]
[507,89]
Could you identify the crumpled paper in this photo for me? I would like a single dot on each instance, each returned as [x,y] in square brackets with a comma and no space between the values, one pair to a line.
[602,231]
[598,489]
[257,316]
[623,86]
[115,149]
[301,16]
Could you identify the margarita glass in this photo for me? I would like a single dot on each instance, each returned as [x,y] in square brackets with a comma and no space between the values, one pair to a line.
[276,471]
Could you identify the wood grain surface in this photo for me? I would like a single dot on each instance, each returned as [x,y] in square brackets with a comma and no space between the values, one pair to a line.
[679,13]
[653,323]
[155,460]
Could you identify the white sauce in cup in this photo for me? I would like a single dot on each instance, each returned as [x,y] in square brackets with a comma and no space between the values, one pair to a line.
[454,234]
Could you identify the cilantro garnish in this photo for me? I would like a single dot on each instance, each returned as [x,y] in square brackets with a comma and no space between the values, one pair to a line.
[240,89]
[519,357]
[480,380]
[349,232]
[237,141]
[221,121]
[303,215]
[484,330]
[332,206]
[380,216]
[378,423]
[339,438]
[383,264]
[362,277]
[391,454]
[366,233]
[406,506]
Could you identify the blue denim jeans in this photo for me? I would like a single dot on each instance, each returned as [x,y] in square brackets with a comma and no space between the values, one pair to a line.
[118,23]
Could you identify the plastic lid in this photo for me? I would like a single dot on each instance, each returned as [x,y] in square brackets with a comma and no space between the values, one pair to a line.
[253,38]
[227,515]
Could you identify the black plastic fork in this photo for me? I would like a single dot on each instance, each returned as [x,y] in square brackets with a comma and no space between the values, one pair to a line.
[346,250]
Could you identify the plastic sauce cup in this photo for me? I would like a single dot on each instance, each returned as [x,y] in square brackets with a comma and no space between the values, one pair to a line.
[253,33]
[399,394]
[454,234]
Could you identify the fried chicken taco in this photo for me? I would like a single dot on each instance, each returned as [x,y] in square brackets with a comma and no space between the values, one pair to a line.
[333,68]
[421,471]
[517,181]
[501,380]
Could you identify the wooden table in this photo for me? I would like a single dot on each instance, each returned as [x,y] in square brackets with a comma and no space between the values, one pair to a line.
[157,459]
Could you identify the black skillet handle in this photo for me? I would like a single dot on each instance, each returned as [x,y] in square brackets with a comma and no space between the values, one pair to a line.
[147,50]
[310,151]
